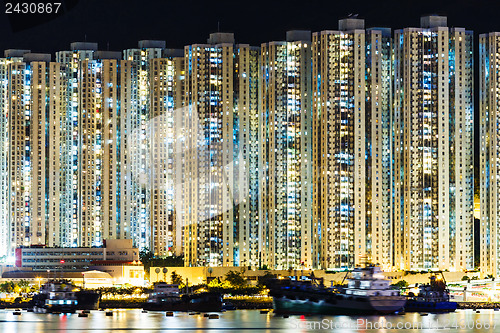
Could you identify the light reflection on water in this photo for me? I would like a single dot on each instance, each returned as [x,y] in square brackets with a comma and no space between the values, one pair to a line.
[134,320]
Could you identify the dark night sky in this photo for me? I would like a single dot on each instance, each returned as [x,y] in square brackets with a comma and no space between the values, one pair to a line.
[121,23]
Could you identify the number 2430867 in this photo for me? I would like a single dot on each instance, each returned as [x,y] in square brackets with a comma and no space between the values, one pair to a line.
[32,7]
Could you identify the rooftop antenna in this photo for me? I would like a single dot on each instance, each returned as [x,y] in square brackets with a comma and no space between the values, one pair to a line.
[218,26]
[108,45]
[85,38]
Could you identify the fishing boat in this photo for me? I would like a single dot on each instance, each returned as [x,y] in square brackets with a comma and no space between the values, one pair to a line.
[167,297]
[88,299]
[367,293]
[64,297]
[56,296]
[431,297]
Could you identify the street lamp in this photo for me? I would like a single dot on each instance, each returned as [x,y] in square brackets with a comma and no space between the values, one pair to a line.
[165,270]
[157,271]
[210,270]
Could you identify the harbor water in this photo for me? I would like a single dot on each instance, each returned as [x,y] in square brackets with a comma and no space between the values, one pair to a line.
[134,320]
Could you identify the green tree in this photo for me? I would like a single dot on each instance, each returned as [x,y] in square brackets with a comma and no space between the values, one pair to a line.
[265,279]
[149,260]
[465,278]
[401,284]
[176,278]
[7,287]
[146,255]
[172,261]
[236,279]
[24,285]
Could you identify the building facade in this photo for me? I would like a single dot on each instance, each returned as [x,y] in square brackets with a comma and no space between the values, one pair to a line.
[150,157]
[433,146]
[325,150]
[286,163]
[89,198]
[40,258]
[70,204]
[29,96]
[351,147]
[88,147]
[221,220]
[489,83]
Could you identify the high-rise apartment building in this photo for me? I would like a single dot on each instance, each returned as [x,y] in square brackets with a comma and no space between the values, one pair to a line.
[29,95]
[325,150]
[5,243]
[43,101]
[136,182]
[56,90]
[221,222]
[286,163]
[90,161]
[94,140]
[351,147]
[70,205]
[150,154]
[162,127]
[489,97]
[433,147]
[19,118]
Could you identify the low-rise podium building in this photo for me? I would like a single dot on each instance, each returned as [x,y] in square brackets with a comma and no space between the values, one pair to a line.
[75,258]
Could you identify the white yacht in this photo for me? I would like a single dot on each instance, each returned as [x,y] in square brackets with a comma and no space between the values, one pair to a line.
[164,292]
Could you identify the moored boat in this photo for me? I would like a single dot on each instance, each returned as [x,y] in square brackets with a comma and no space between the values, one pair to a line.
[88,299]
[432,297]
[62,296]
[367,293]
[56,296]
[167,297]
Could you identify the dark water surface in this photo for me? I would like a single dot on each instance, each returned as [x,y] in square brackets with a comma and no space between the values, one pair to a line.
[133,320]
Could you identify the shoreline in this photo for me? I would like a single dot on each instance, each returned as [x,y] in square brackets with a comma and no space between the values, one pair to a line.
[243,304]
[132,304]
[238,305]
[478,305]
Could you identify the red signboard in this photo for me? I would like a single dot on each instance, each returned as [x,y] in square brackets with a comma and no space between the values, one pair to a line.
[19,257]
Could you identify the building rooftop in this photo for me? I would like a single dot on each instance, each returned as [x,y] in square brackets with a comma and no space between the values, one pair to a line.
[351,23]
[83,46]
[298,35]
[433,21]
[221,37]
[43,57]
[146,44]
[173,52]
[15,53]
[108,55]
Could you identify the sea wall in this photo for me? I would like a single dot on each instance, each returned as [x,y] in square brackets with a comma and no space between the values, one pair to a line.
[199,275]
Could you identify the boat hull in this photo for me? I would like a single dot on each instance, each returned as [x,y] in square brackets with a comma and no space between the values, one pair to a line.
[184,307]
[88,300]
[52,309]
[421,306]
[209,302]
[341,306]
